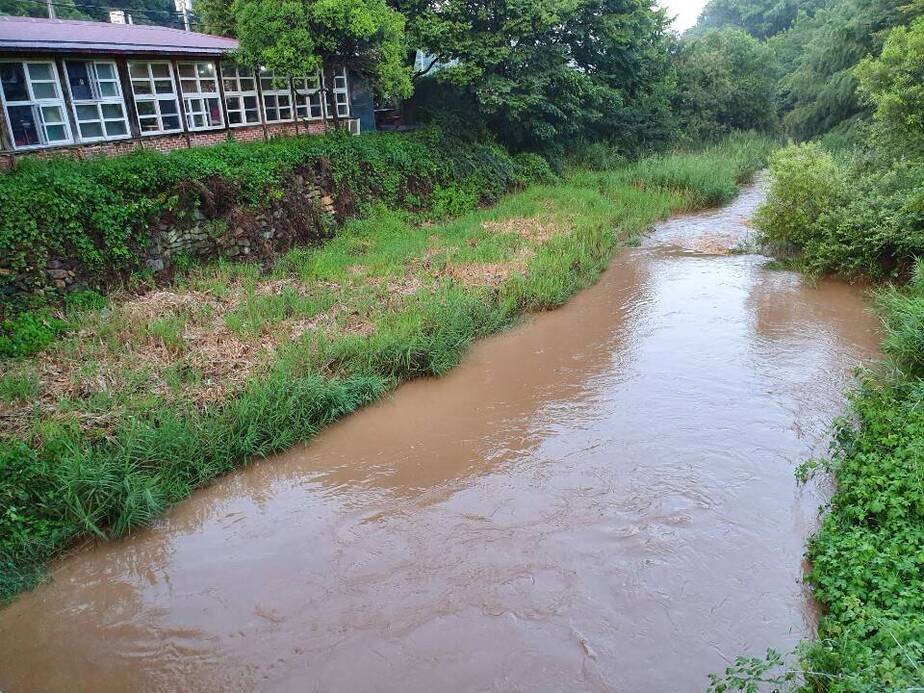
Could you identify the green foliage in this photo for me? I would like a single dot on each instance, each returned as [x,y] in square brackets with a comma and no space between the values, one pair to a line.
[755,674]
[545,74]
[760,18]
[868,558]
[726,80]
[894,83]
[821,91]
[59,481]
[848,217]
[29,332]
[297,37]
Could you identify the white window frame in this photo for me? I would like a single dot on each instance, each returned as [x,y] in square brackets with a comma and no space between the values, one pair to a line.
[309,98]
[37,106]
[231,74]
[200,95]
[276,93]
[155,97]
[98,100]
[339,91]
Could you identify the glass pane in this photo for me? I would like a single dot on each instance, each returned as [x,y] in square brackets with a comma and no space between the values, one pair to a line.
[138,69]
[142,87]
[168,106]
[105,71]
[189,86]
[160,70]
[108,89]
[13,79]
[22,124]
[164,86]
[146,108]
[253,116]
[214,112]
[45,90]
[112,110]
[78,77]
[149,124]
[89,130]
[40,71]
[245,72]
[234,117]
[209,87]
[250,102]
[205,69]
[116,128]
[248,85]
[171,123]
[187,70]
[56,133]
[52,114]
[230,85]
[87,112]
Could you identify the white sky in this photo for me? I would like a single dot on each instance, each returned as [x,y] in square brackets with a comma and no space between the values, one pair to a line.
[686,12]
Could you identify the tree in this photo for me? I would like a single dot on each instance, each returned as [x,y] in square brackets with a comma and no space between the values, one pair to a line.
[894,84]
[760,18]
[298,37]
[726,81]
[542,73]
[214,17]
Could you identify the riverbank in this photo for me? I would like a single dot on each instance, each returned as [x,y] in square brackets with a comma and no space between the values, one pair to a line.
[151,397]
[867,560]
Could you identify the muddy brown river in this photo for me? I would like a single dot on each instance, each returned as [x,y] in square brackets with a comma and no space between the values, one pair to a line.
[599,500]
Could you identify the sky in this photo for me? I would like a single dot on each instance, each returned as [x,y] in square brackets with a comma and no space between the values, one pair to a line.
[686,11]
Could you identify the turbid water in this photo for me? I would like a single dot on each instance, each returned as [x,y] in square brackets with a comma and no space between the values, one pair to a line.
[601,499]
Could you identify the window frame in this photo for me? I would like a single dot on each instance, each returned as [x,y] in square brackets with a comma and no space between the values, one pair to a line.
[241,94]
[200,95]
[317,91]
[334,91]
[36,105]
[98,100]
[155,98]
[275,93]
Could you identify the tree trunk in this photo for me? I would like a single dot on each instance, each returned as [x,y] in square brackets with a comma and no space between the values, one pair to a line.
[330,96]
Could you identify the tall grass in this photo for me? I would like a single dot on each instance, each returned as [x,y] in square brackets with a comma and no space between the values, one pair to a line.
[58,483]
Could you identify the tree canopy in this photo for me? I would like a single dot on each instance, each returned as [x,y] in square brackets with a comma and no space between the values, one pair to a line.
[298,37]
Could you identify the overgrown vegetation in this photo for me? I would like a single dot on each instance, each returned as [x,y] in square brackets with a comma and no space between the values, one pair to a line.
[97,212]
[868,558]
[149,397]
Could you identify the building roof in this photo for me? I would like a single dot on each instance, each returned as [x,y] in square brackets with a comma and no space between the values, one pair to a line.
[23,34]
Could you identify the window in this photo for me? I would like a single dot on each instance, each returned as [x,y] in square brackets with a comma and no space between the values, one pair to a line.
[241,99]
[97,100]
[308,104]
[277,101]
[34,106]
[339,95]
[199,84]
[155,97]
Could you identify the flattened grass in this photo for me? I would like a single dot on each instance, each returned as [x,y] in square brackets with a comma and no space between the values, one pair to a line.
[154,396]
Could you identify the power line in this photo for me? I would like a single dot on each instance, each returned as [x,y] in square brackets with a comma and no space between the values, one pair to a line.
[78,7]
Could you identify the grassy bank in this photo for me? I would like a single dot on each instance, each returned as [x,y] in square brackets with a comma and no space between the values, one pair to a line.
[150,396]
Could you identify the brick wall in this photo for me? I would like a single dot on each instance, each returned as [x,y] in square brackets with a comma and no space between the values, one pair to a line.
[166,143]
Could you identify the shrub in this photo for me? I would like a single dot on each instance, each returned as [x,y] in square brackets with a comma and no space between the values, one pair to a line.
[854,218]
[29,332]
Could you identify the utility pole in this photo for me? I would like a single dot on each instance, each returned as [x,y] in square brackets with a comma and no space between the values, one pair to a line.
[51,9]
[183,7]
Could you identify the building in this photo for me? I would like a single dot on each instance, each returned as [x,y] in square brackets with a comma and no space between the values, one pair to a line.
[91,88]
